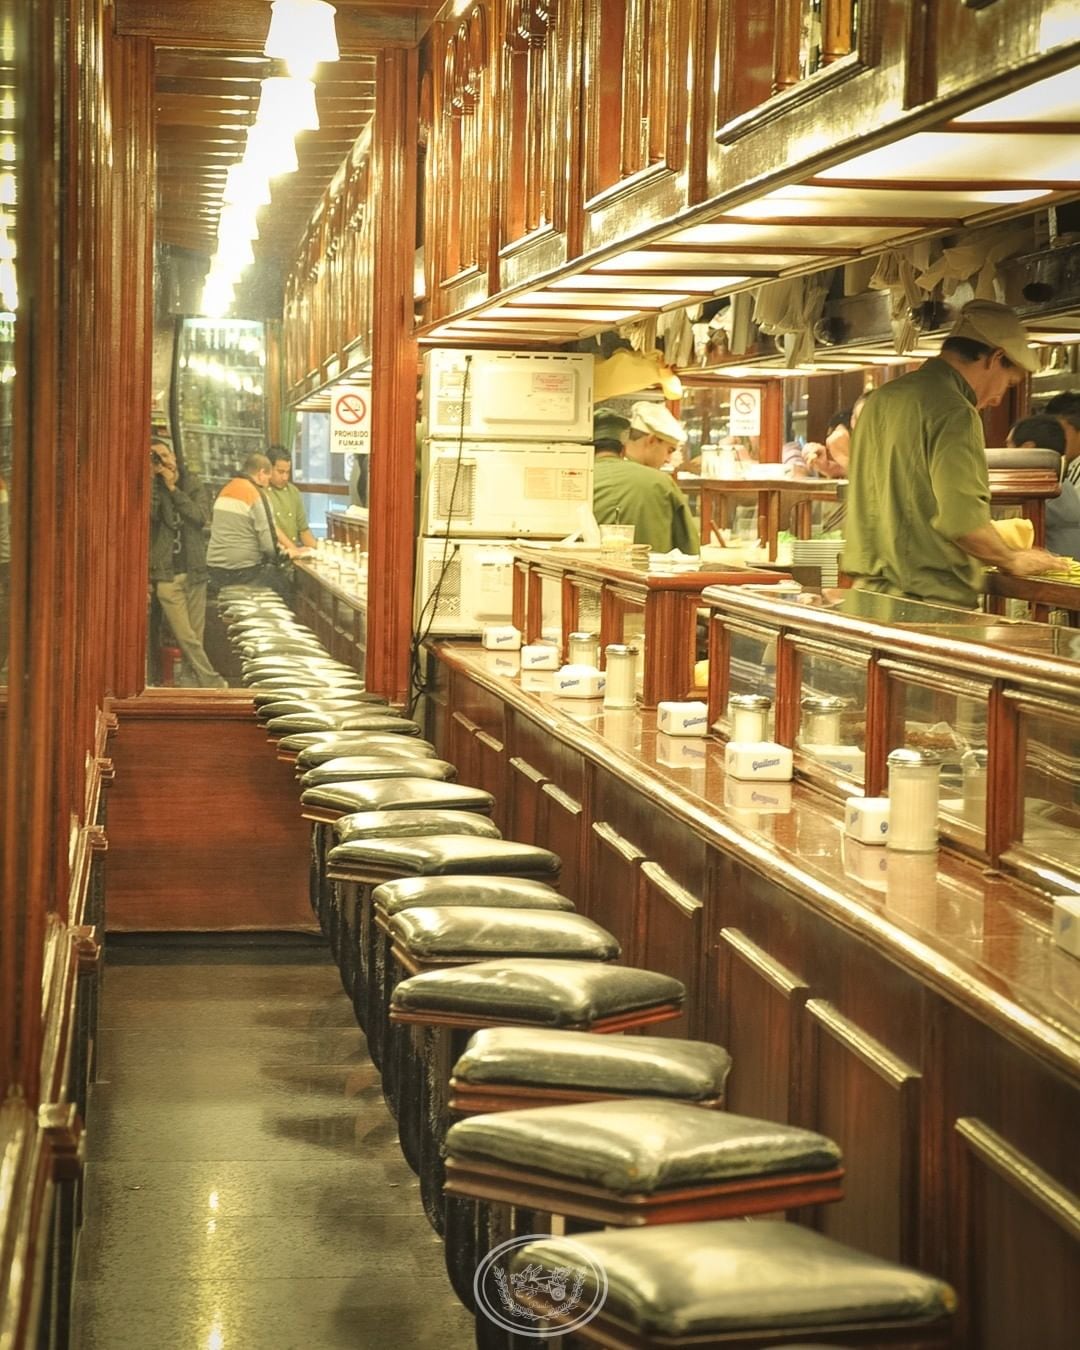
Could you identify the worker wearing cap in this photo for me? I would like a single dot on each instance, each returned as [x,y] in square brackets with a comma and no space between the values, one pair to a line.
[918,516]
[628,486]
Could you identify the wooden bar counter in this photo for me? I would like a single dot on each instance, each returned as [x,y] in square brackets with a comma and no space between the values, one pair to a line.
[910,1006]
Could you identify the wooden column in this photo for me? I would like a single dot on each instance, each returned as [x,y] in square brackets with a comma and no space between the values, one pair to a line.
[393,379]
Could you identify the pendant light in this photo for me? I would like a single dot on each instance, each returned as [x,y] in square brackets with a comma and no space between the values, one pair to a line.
[302,34]
[270,151]
[245,186]
[288,103]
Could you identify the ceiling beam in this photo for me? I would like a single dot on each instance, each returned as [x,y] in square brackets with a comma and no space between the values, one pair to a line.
[241,25]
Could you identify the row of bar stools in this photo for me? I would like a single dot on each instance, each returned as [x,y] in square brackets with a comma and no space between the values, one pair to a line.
[512,1159]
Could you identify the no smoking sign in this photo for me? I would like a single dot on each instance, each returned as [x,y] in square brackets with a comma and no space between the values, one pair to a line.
[745,412]
[350,421]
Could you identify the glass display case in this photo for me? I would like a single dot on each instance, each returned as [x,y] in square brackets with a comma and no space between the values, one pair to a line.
[853,679]
[651,606]
[220,395]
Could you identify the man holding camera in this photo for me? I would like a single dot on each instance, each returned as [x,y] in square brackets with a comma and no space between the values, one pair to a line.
[179,515]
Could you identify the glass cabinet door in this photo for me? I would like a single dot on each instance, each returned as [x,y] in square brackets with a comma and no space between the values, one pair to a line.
[220,392]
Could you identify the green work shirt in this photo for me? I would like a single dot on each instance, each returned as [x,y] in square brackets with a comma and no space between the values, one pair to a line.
[288,508]
[626,491]
[917,480]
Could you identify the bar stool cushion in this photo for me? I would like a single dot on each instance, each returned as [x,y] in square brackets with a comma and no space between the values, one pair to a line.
[310,693]
[378,824]
[283,684]
[391,897]
[540,992]
[477,931]
[341,721]
[440,855]
[302,740]
[398,794]
[640,1147]
[332,703]
[358,768]
[700,1279]
[640,1066]
[356,743]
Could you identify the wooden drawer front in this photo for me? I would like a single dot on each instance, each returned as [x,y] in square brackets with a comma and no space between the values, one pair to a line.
[562,829]
[671,942]
[868,1100]
[760,1023]
[614,886]
[480,762]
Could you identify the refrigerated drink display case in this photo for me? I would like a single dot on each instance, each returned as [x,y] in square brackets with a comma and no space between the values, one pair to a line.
[220,393]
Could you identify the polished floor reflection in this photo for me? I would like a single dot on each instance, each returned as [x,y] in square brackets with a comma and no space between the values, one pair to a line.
[245,1190]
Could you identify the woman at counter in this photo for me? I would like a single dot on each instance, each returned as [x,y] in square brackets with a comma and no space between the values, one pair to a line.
[1062,512]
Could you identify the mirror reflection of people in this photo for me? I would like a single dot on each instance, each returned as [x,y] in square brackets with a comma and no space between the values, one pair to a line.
[1063,511]
[918,510]
[1065,408]
[287,503]
[829,459]
[179,515]
[243,542]
[628,486]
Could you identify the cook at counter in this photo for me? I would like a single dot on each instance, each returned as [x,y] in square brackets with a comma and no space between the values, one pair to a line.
[918,515]
[628,485]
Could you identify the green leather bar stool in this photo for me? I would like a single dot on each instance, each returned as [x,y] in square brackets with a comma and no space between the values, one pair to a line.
[333,702]
[289,747]
[727,1284]
[393,897]
[390,764]
[425,941]
[325,805]
[379,719]
[359,743]
[594,996]
[348,888]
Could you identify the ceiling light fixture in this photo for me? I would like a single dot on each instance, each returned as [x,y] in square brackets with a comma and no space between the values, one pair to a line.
[246,186]
[302,34]
[271,151]
[289,104]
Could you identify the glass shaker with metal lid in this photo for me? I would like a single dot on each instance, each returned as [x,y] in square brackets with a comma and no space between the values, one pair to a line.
[582,649]
[913,800]
[621,669]
[748,715]
[820,723]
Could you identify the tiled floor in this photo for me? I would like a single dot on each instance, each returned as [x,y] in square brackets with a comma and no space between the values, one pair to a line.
[245,1190]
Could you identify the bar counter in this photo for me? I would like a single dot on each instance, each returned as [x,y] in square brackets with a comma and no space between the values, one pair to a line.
[909,1006]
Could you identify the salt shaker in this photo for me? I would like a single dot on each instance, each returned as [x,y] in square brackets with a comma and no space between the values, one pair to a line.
[820,719]
[583,649]
[913,800]
[621,669]
[749,717]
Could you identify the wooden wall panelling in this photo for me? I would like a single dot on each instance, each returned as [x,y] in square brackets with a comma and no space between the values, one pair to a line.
[461,227]
[539,137]
[174,865]
[756,1013]
[614,887]
[867,1099]
[637,82]
[562,829]
[993,38]
[671,942]
[1018,1246]
[393,378]
[523,784]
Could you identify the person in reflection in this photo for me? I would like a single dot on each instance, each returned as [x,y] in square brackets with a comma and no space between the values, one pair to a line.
[179,515]
[1065,408]
[243,541]
[918,510]
[1062,512]
[829,459]
[287,504]
[628,486]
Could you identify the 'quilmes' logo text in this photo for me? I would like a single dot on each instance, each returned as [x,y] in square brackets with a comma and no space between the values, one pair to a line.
[764,764]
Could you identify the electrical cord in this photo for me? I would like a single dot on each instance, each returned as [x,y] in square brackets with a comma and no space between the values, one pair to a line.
[417,682]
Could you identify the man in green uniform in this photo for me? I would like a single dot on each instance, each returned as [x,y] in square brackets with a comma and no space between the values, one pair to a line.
[628,486]
[287,504]
[918,517]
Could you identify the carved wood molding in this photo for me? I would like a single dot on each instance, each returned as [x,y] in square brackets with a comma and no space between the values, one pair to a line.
[981,1143]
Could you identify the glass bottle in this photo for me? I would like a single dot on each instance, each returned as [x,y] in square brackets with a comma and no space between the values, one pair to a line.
[820,724]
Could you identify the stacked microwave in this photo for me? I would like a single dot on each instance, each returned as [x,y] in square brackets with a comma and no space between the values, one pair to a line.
[506,454]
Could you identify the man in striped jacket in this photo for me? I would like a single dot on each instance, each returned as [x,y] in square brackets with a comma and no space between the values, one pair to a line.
[243,548]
